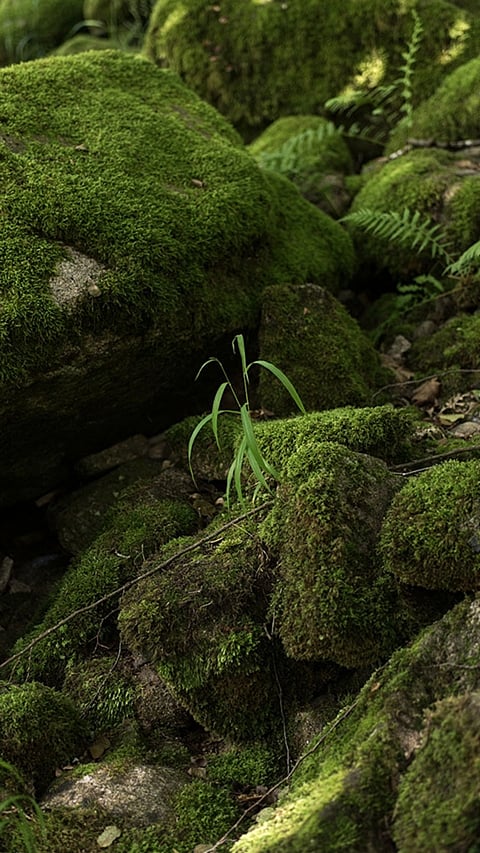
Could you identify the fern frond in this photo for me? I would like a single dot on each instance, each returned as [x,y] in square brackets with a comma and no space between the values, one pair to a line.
[407,229]
[290,157]
[470,258]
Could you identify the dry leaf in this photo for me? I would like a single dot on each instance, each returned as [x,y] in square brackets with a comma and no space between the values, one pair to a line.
[99,746]
[427,393]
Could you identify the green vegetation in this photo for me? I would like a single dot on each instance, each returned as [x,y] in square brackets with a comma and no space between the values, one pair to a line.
[258,61]
[437,805]
[248,450]
[15,810]
[31,28]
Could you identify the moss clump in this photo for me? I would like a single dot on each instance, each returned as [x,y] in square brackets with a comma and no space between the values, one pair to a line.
[438,801]
[103,696]
[332,600]
[379,431]
[194,228]
[40,730]
[311,152]
[439,117]
[431,533]
[258,61]
[112,560]
[243,767]
[29,28]
[309,335]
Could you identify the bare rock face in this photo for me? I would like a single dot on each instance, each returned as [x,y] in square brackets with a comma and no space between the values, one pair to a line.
[137,236]
[138,792]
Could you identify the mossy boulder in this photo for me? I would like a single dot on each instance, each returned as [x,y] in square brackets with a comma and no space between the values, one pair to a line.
[346,789]
[439,117]
[332,600]
[309,335]
[438,801]
[126,252]
[40,730]
[313,154]
[441,186]
[135,533]
[258,61]
[201,623]
[431,533]
[31,28]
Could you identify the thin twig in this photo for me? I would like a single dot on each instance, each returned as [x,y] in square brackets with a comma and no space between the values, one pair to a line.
[130,583]
[419,465]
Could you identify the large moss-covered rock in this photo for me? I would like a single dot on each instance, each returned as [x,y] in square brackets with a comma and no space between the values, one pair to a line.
[40,730]
[431,533]
[343,795]
[379,431]
[256,61]
[30,28]
[332,600]
[309,335]
[135,230]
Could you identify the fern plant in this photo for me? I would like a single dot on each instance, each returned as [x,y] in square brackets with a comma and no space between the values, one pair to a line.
[295,152]
[248,450]
[386,105]
[420,233]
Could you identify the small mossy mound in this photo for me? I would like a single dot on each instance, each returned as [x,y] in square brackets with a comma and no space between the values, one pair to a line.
[455,344]
[312,153]
[343,794]
[309,335]
[40,730]
[84,42]
[379,431]
[31,28]
[418,181]
[111,561]
[439,117]
[431,533]
[256,61]
[332,600]
[438,805]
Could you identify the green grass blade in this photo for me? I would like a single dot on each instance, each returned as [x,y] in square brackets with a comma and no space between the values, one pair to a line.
[257,470]
[206,420]
[237,473]
[216,411]
[279,374]
[207,362]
